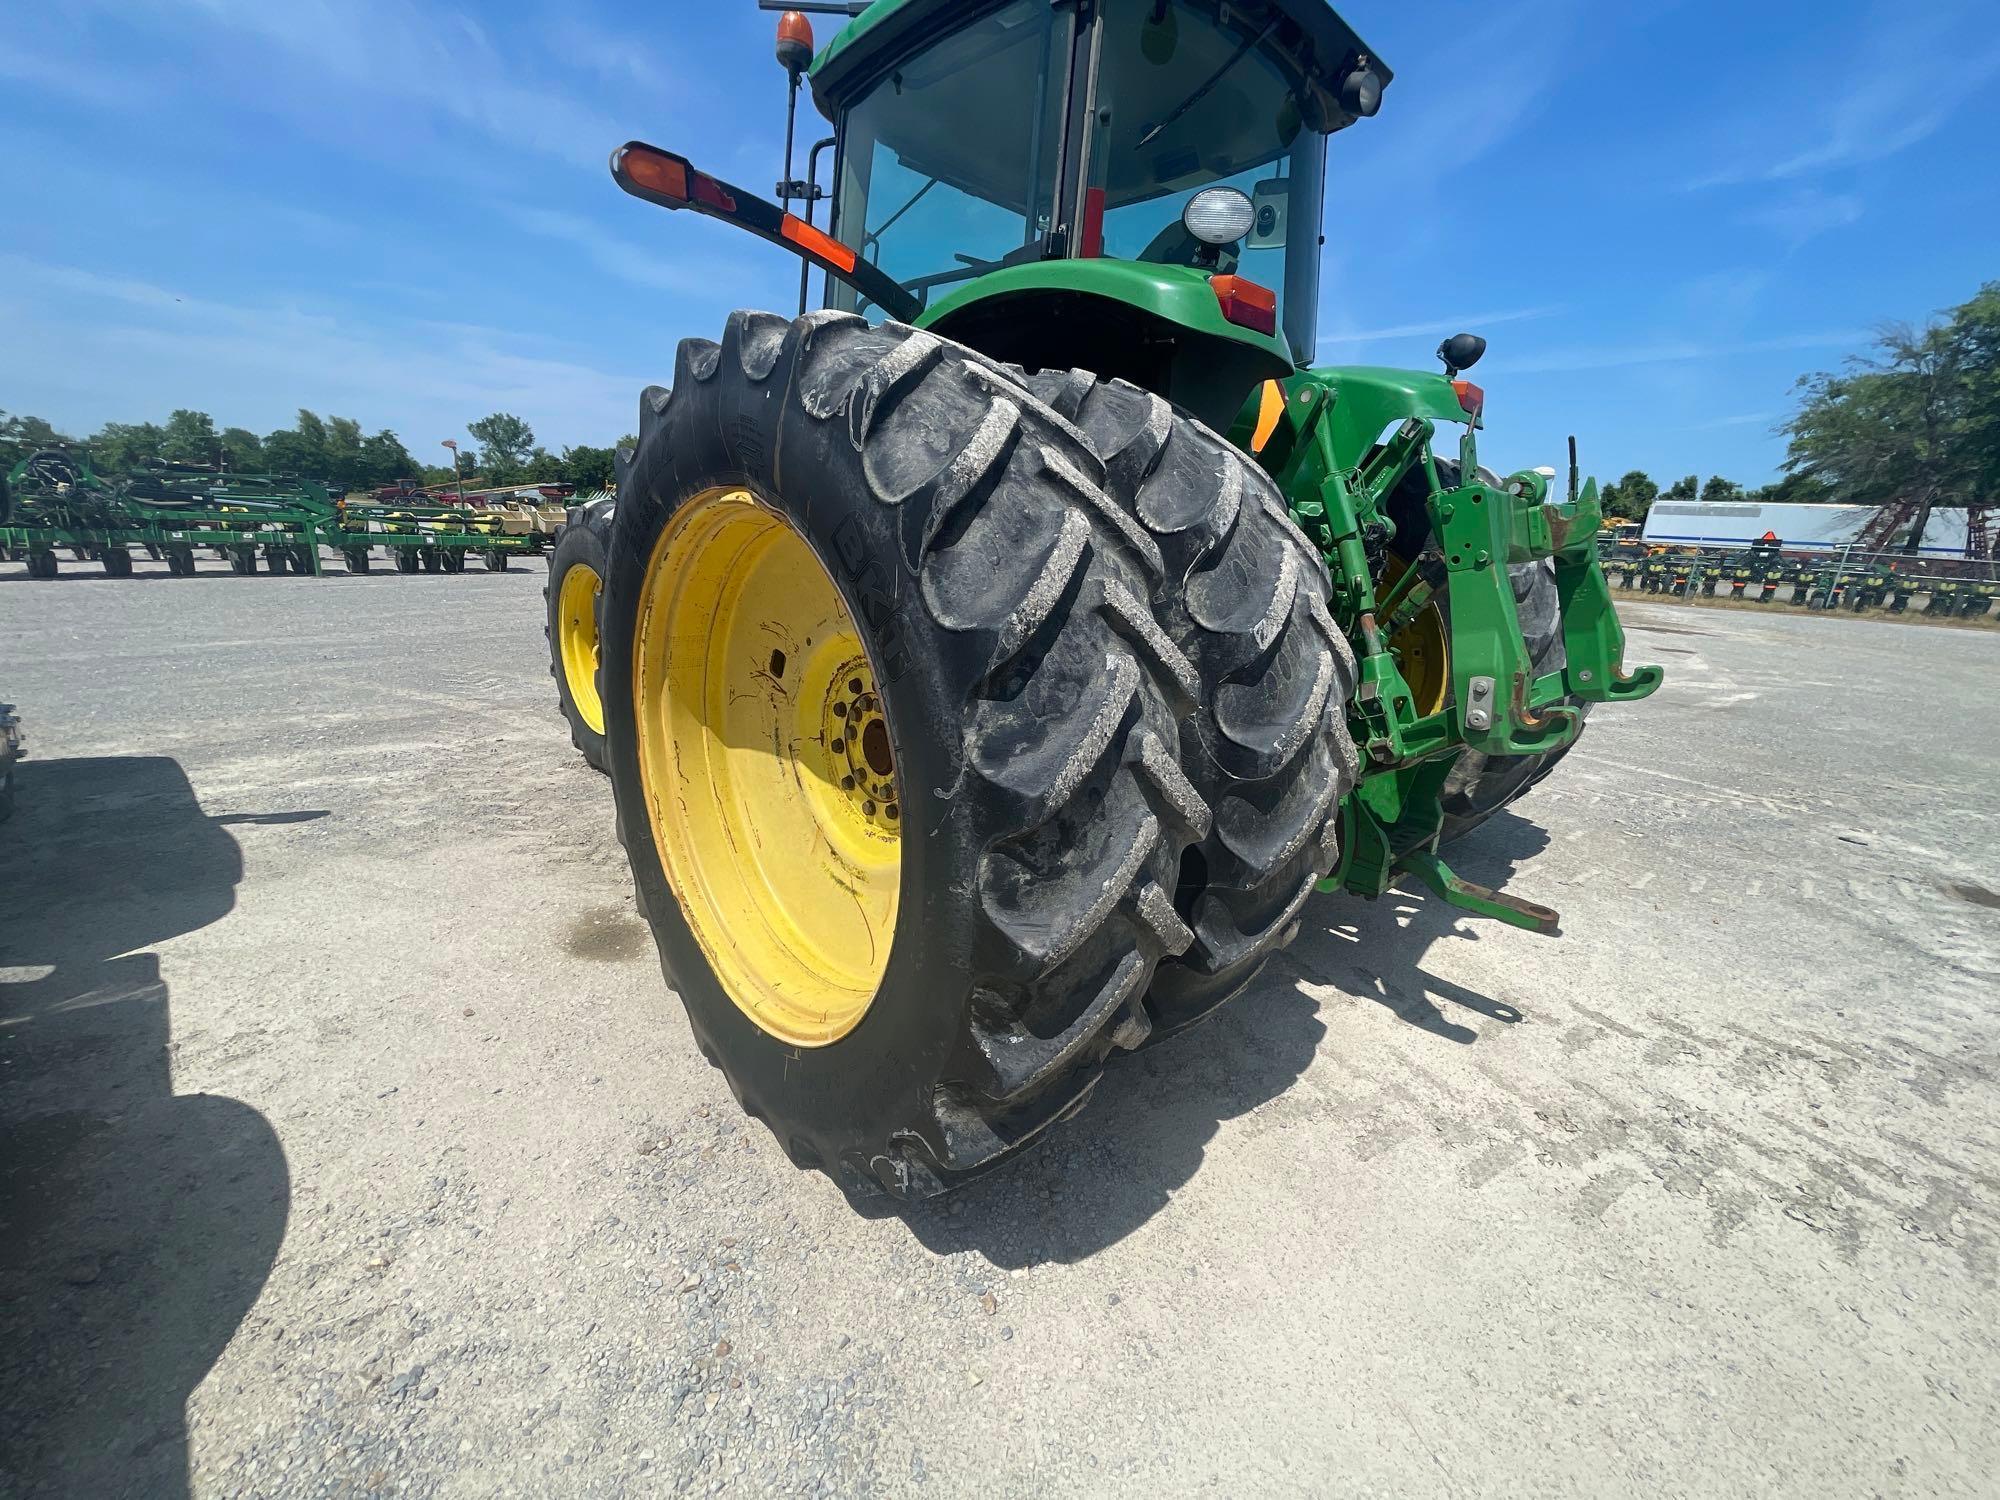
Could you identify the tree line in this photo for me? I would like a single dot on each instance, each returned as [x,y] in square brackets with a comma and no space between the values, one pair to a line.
[328,450]
[1915,419]
[1631,497]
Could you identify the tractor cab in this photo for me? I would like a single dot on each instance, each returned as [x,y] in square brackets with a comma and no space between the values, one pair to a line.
[1135,181]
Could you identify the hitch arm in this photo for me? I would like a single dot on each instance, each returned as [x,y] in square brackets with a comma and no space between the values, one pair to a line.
[671,181]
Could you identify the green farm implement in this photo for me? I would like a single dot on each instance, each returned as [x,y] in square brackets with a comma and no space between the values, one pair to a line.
[990,665]
[179,513]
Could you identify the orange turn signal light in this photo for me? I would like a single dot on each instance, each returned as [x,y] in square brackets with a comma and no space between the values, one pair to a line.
[670,178]
[1245,303]
[654,171]
[1470,397]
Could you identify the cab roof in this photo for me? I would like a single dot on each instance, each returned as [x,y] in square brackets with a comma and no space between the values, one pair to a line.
[1311,33]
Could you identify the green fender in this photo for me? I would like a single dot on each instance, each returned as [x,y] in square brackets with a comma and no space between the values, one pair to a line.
[1364,401]
[1158,326]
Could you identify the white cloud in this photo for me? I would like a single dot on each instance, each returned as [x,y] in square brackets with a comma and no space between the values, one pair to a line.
[1724,298]
[1612,356]
[100,348]
[1462,103]
[1909,70]
[396,54]
[617,59]
[1439,327]
[611,255]
[99,87]
[1804,214]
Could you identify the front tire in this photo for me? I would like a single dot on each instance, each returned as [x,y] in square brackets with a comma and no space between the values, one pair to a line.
[931,522]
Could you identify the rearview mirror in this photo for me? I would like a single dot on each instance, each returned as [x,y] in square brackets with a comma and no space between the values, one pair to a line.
[1270,199]
[1460,352]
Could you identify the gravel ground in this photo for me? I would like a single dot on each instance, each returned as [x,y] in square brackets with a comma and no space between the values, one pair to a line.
[353,1143]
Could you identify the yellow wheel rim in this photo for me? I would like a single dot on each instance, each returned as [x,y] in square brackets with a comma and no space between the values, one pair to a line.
[576,628]
[1422,647]
[767,768]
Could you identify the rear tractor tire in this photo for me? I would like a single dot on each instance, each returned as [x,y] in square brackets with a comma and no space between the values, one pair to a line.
[894,743]
[572,598]
[1243,597]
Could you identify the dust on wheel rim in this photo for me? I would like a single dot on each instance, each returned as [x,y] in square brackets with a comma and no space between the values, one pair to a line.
[576,617]
[767,767]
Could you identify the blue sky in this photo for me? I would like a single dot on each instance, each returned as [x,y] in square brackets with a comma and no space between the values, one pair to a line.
[1659,213]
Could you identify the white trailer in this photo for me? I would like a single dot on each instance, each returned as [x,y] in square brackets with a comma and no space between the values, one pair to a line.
[1801,528]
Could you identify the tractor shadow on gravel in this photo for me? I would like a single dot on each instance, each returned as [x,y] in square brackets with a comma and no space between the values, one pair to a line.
[1145,1130]
[136,1228]
[1374,949]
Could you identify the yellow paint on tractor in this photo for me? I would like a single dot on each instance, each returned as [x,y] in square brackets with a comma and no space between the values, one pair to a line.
[578,646]
[1270,407]
[767,768]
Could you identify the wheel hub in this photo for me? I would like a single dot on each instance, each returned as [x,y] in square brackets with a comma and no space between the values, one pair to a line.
[856,737]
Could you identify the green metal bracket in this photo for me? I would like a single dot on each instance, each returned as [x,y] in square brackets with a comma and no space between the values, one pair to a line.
[1593,640]
[1383,821]
[1482,530]
[1339,463]
[1481,901]
[1390,830]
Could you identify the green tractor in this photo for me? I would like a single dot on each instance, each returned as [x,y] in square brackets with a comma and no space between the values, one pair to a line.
[991,664]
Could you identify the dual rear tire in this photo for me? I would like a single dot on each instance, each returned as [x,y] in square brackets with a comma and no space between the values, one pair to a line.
[1100,731]
[571,599]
